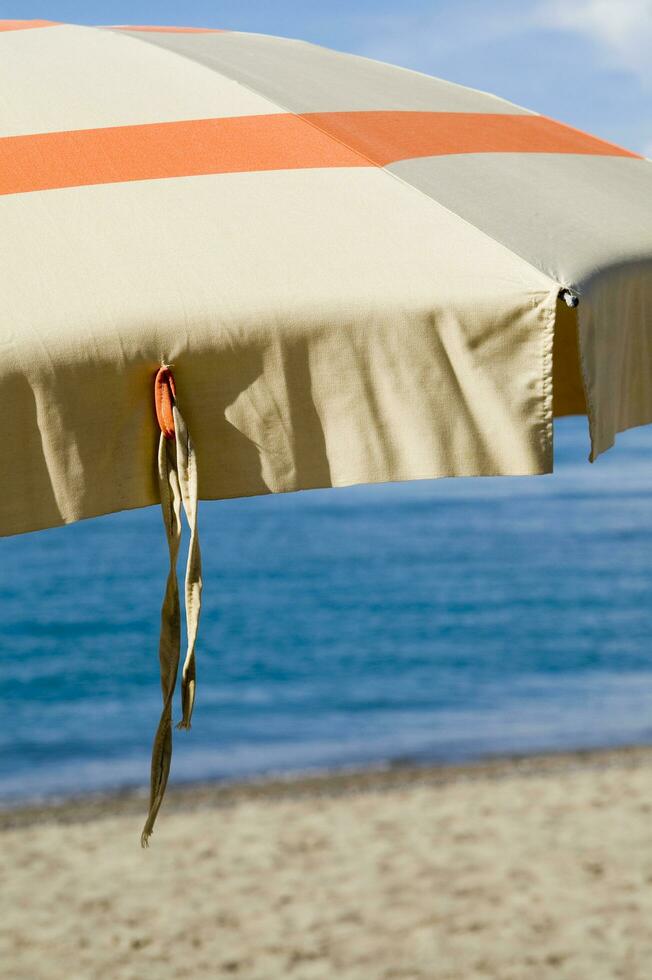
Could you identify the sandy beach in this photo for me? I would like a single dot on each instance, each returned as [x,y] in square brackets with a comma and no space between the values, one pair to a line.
[537,868]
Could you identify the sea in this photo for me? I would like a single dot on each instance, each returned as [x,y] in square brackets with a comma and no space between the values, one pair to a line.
[436,621]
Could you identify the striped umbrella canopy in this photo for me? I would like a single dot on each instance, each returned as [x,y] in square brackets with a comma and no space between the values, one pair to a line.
[327,270]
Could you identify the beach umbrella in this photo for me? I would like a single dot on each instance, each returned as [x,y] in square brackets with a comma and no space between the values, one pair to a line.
[235,264]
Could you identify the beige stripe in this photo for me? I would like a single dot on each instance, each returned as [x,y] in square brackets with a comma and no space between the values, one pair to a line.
[80,78]
[164,29]
[303,77]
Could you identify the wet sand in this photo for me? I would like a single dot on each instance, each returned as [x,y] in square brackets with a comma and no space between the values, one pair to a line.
[518,868]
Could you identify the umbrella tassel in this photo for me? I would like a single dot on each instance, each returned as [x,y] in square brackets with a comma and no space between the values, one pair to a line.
[187,469]
[170,638]
[178,487]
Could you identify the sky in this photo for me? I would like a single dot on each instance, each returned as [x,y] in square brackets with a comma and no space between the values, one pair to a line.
[584,62]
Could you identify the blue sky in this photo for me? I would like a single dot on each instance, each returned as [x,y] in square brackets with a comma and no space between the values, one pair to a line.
[586,62]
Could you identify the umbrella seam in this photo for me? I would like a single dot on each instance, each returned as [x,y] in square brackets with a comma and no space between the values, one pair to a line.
[547,347]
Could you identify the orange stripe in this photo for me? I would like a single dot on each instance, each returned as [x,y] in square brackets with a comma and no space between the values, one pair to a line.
[273,142]
[25,25]
[168,30]
[385,137]
[178,149]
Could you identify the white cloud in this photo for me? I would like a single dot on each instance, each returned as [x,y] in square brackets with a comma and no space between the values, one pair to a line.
[621,29]
[588,62]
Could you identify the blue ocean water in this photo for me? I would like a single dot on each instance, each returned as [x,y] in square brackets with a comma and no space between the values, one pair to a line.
[441,620]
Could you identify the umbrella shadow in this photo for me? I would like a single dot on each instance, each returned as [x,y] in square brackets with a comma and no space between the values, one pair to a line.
[82,441]
[26,486]
[567,386]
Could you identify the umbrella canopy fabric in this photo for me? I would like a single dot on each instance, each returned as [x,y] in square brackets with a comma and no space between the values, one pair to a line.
[353,268]
[354,272]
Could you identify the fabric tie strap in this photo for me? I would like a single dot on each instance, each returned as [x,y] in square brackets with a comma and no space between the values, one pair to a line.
[177,478]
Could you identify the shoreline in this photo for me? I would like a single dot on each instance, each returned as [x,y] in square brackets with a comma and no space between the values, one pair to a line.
[218,794]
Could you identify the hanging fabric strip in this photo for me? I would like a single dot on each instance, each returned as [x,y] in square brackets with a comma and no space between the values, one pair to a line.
[177,477]
[187,471]
[169,643]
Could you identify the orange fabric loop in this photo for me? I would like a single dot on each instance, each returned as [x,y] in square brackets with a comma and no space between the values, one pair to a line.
[164,397]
